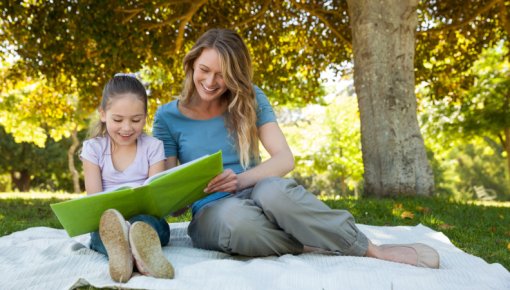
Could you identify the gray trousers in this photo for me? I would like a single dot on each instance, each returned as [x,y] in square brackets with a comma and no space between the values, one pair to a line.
[275,217]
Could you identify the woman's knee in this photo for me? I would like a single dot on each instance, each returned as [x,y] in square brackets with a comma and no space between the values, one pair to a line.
[212,227]
[246,237]
[240,223]
[272,192]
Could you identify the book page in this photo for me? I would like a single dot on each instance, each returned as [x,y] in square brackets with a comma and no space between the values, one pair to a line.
[157,175]
[116,188]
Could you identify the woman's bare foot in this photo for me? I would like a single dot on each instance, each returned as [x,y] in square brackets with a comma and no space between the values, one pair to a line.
[418,254]
[404,255]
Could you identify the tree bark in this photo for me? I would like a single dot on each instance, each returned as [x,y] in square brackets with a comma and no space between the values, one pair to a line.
[394,156]
[506,147]
[21,180]
[70,160]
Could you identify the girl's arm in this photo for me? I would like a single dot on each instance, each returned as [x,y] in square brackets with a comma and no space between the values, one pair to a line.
[156,168]
[281,162]
[92,175]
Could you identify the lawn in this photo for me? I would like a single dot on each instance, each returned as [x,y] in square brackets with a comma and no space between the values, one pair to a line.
[481,229]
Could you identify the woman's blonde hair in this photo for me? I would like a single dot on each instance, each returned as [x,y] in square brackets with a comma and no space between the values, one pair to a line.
[235,61]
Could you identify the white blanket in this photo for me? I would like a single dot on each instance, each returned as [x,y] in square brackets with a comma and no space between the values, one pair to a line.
[46,258]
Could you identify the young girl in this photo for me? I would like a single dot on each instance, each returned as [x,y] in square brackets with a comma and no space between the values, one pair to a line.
[118,152]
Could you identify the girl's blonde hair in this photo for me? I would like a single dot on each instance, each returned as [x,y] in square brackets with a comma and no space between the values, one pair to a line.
[119,84]
[235,61]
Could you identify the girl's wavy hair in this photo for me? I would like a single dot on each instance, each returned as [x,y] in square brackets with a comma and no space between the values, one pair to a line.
[237,71]
[120,84]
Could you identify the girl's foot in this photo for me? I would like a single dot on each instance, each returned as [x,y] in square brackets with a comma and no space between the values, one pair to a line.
[113,231]
[418,254]
[146,249]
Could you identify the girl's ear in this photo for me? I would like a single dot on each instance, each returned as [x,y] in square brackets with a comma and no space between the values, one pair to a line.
[102,115]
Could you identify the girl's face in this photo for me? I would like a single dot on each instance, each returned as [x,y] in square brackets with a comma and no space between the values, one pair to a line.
[124,118]
[207,75]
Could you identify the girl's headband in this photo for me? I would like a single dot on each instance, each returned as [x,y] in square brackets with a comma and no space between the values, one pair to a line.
[125,75]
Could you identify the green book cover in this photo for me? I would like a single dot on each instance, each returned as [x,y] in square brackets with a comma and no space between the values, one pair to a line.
[159,196]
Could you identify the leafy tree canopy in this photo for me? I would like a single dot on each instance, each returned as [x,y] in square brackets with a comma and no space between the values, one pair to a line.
[451,36]
[292,41]
[70,48]
[33,109]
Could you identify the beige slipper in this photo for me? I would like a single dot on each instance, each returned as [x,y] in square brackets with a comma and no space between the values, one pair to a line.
[427,257]
[146,249]
[113,231]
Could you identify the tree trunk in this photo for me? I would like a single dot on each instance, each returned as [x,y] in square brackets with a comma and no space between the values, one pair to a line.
[506,147]
[70,160]
[394,155]
[21,180]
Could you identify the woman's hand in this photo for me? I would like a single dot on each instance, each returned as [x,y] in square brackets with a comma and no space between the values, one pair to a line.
[226,181]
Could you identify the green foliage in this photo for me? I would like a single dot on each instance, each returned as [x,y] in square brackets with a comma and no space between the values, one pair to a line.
[63,37]
[33,109]
[466,132]
[451,35]
[486,105]
[468,163]
[46,168]
[326,143]
[481,163]
[56,56]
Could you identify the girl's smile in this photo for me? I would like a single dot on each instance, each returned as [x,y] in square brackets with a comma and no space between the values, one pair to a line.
[125,119]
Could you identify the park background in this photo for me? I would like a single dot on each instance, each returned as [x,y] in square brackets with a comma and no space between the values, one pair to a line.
[396,99]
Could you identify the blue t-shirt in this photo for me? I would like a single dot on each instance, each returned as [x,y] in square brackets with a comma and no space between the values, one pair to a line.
[189,139]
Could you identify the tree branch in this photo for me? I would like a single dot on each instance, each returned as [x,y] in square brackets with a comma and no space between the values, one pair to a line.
[503,16]
[130,13]
[164,23]
[185,19]
[460,24]
[502,140]
[325,21]
[262,10]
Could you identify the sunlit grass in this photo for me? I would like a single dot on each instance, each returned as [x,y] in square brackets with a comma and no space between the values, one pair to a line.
[39,195]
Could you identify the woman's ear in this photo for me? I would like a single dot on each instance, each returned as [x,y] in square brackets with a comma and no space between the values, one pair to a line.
[102,115]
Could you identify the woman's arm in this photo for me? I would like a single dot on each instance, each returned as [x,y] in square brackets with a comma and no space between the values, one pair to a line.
[281,162]
[170,162]
[92,176]
[281,159]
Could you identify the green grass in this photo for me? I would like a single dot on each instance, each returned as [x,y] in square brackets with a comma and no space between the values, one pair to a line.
[481,229]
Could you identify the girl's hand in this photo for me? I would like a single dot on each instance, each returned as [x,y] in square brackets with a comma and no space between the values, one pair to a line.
[227,182]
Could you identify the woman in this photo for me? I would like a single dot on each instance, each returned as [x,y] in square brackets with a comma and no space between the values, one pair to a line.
[251,210]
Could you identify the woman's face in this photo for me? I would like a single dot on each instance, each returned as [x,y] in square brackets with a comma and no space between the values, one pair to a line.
[207,75]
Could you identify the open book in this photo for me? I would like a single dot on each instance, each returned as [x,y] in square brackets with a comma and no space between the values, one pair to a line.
[160,195]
